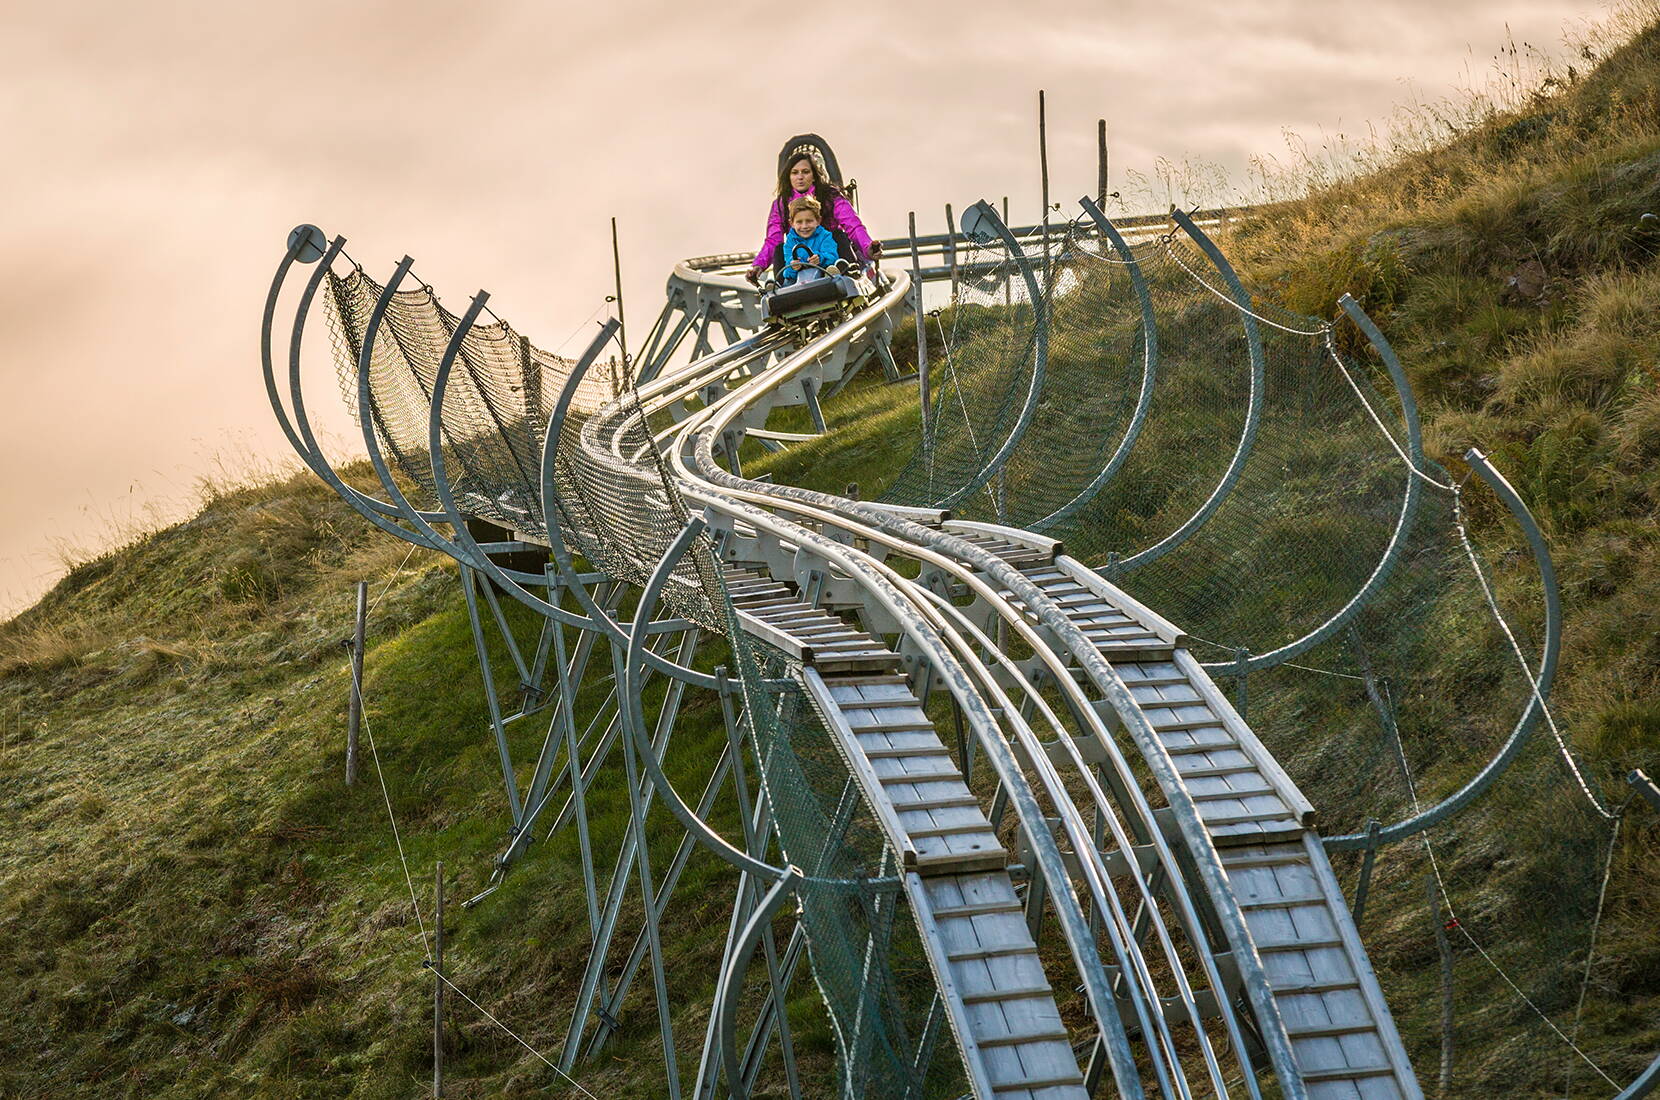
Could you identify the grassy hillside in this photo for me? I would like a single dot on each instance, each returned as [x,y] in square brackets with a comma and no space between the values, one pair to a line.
[195,905]
[1513,270]
[192,904]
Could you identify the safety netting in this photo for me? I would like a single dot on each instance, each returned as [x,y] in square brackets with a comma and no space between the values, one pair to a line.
[497,401]
[619,508]
[1259,478]
[613,502]
[867,958]
[989,360]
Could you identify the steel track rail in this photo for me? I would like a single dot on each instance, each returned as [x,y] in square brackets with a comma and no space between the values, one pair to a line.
[1072,818]
[693,439]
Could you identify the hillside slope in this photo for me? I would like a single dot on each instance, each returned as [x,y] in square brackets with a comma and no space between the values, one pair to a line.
[192,904]
[1514,271]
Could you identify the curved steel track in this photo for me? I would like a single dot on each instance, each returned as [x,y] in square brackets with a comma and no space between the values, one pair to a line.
[1099,783]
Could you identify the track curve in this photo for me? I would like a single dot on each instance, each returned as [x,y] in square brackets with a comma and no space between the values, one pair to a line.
[1129,804]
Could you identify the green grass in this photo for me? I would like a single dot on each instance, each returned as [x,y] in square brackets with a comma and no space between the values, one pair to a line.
[195,905]
[192,904]
[1562,390]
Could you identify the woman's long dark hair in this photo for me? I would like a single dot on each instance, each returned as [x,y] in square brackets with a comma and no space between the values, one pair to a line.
[826,192]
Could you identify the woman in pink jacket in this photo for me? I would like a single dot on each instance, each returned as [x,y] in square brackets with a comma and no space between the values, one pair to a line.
[804,174]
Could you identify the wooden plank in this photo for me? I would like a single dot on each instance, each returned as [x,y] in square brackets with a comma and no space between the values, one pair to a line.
[844,663]
[1270,768]
[992,952]
[906,752]
[1050,1035]
[941,912]
[774,637]
[861,770]
[956,863]
[1205,739]
[1013,993]
[871,679]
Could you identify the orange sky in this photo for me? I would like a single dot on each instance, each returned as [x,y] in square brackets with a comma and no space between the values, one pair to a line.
[159,153]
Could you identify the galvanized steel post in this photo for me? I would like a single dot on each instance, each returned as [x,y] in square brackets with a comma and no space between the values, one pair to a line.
[951,250]
[438,982]
[1043,168]
[354,710]
[1101,161]
[921,329]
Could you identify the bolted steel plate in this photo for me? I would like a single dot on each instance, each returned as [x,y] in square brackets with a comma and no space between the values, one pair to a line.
[307,243]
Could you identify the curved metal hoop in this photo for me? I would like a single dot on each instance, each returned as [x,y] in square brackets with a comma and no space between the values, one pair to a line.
[1535,706]
[467,550]
[1253,408]
[1645,1084]
[731,979]
[1403,523]
[628,702]
[298,430]
[1149,373]
[1040,359]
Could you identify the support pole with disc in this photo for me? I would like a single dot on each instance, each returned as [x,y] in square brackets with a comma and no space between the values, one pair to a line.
[354,709]
[438,982]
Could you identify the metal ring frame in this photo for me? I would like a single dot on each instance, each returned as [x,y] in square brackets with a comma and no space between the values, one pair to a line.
[994,694]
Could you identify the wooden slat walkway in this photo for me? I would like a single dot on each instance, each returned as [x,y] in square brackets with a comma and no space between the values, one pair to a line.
[1343,1036]
[1340,1029]
[999,1002]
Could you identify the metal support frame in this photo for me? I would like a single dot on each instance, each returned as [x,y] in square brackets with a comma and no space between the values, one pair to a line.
[836,549]
[1531,713]
[921,317]
[1038,345]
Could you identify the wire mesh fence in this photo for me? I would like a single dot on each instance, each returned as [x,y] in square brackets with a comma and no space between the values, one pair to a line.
[1256,476]
[613,502]
[867,957]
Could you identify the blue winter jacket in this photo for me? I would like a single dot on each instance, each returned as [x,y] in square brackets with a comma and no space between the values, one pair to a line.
[821,244]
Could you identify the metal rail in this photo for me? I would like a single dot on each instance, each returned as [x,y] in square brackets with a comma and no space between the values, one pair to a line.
[1180,993]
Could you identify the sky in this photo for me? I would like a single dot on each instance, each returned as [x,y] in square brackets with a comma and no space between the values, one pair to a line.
[160,153]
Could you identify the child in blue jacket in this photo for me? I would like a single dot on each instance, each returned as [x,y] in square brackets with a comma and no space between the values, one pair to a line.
[807,243]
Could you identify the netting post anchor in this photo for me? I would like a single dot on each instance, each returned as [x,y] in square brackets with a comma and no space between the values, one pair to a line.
[731,442]
[809,393]
[1444,949]
[951,249]
[1242,665]
[1366,861]
[354,709]
[921,327]
[438,981]
[965,748]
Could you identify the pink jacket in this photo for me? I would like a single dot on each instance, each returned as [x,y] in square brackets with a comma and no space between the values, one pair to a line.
[842,217]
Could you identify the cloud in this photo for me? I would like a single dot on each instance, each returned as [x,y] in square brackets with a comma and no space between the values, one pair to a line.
[162,151]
